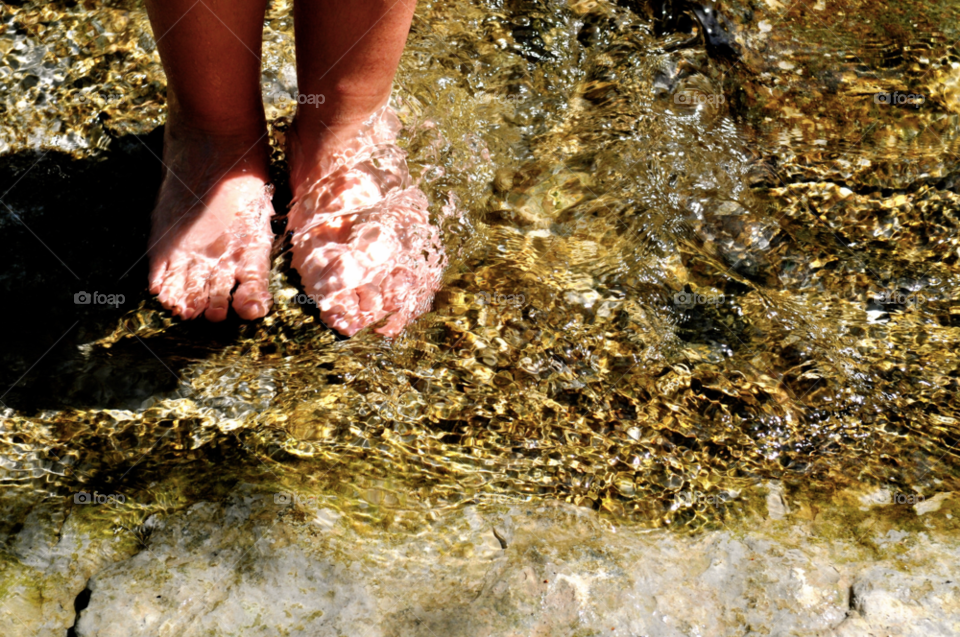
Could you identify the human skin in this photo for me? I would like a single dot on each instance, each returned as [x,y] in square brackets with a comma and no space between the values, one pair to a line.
[210,239]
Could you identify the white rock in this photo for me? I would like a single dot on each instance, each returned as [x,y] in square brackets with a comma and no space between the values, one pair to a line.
[249,566]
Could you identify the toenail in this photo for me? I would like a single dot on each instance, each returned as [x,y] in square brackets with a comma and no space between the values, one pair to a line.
[253,307]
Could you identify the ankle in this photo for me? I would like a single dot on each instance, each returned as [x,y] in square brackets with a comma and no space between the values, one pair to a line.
[317,136]
[337,111]
[186,130]
[242,148]
[307,153]
[238,126]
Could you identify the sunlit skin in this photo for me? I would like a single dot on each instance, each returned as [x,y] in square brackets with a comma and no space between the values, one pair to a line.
[359,237]
[362,239]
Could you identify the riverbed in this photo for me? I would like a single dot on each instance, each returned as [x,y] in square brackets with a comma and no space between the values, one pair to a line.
[703,282]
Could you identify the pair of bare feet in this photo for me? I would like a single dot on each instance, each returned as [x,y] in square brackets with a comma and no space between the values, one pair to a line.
[361,239]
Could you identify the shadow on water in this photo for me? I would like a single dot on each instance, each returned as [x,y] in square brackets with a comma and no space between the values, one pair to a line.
[74,234]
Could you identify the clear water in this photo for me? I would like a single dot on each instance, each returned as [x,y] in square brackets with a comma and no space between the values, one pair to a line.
[676,277]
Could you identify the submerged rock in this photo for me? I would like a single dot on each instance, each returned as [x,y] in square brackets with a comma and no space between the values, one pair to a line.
[786,184]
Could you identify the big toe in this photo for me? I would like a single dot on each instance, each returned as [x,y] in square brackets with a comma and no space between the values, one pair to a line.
[219,304]
[171,288]
[196,297]
[252,299]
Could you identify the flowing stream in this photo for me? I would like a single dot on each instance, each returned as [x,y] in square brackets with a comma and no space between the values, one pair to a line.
[678,272]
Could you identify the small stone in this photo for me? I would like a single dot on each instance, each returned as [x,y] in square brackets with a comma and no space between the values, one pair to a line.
[931,505]
[880,497]
[776,504]
[503,180]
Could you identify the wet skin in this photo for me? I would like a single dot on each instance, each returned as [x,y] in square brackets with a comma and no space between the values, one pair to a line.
[362,243]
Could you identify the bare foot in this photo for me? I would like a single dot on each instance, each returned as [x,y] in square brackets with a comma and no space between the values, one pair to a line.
[362,239]
[211,226]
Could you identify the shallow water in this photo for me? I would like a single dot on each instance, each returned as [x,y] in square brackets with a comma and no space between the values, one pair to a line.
[675,276]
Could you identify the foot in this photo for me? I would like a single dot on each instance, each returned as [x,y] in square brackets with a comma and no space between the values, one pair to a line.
[362,239]
[211,226]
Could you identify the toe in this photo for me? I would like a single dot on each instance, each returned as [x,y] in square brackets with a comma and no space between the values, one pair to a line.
[393,325]
[197,288]
[220,285]
[252,299]
[158,271]
[342,315]
[171,294]
[334,319]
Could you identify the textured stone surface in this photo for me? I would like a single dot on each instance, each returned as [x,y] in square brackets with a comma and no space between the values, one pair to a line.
[251,566]
[46,566]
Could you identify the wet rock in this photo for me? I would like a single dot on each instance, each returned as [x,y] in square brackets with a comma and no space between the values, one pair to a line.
[865,76]
[45,568]
[897,604]
[931,505]
[776,504]
[254,565]
[540,202]
[879,497]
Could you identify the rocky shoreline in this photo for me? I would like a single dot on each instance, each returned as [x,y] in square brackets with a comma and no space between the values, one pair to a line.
[261,565]
[861,223]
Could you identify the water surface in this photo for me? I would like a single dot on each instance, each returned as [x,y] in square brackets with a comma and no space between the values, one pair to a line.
[678,272]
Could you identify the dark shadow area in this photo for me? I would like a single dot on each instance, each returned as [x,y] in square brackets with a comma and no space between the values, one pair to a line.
[73,234]
[79,605]
[700,19]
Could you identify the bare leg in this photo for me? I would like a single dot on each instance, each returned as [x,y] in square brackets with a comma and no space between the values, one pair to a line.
[362,242]
[211,225]
[348,53]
